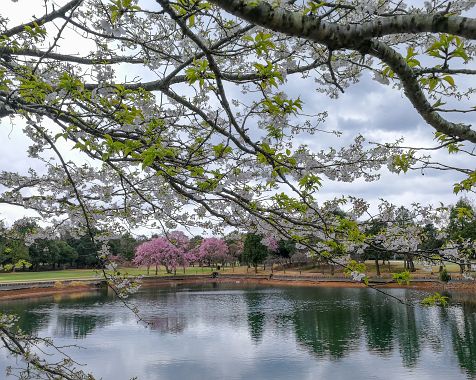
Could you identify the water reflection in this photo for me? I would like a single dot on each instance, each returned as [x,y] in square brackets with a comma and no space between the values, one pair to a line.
[327,334]
[260,329]
[256,314]
[463,331]
[77,325]
[172,324]
[378,320]
[60,312]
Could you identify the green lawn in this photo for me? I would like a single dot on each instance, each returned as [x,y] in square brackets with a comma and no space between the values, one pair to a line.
[50,275]
[82,274]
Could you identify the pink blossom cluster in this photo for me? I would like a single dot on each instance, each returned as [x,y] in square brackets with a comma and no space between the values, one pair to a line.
[169,251]
[174,250]
[271,243]
[213,250]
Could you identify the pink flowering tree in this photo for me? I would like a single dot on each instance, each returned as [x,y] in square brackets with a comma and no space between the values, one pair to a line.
[271,243]
[192,255]
[182,244]
[162,251]
[168,255]
[235,250]
[145,255]
[213,250]
[179,240]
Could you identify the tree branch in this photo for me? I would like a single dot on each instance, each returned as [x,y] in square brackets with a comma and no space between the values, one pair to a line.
[414,92]
[338,36]
[42,20]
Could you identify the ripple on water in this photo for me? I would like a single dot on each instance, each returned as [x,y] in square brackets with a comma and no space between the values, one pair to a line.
[247,332]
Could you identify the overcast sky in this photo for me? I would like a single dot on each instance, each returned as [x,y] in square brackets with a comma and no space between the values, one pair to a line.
[378,112]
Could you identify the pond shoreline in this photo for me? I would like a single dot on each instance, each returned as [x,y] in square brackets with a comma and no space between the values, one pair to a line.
[35,292]
[34,289]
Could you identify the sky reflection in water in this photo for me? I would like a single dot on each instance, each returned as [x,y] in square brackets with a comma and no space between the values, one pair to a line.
[253,332]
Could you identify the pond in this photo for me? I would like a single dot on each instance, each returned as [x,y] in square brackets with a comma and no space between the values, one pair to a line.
[238,331]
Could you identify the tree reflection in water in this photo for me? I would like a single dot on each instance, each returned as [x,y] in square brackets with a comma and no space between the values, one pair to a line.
[329,324]
[256,315]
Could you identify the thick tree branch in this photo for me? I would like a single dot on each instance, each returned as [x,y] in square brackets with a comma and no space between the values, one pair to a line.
[338,36]
[414,92]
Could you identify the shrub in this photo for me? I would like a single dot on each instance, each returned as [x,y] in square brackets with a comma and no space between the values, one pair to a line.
[8,267]
[445,276]
[435,299]
[402,278]
[22,264]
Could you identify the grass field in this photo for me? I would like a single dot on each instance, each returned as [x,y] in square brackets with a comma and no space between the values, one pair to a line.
[83,274]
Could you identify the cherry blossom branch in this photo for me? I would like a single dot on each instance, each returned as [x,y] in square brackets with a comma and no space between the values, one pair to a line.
[43,20]
[338,36]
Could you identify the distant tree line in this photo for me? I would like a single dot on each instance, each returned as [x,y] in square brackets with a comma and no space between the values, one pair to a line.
[458,229]
[19,251]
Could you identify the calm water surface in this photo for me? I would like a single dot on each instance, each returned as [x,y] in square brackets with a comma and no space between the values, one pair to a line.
[253,332]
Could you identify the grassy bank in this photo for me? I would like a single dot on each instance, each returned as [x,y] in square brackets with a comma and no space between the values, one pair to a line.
[82,274]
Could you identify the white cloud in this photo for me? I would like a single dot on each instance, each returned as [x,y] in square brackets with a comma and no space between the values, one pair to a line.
[381,113]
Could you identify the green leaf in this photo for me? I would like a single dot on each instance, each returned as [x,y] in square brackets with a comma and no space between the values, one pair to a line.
[435,300]
[313,6]
[252,3]
[438,103]
[199,71]
[221,150]
[402,278]
[310,182]
[450,80]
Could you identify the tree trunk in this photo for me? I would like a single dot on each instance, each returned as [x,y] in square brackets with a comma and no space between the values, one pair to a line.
[148,269]
[332,270]
[156,270]
[377,267]
[411,265]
